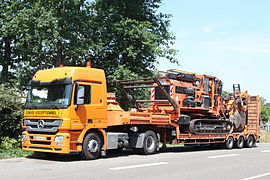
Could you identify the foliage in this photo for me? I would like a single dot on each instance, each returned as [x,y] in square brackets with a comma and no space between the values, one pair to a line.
[265,112]
[123,73]
[10,147]
[42,34]
[8,35]
[132,34]
[225,93]
[9,143]
[45,34]
[14,153]
[10,111]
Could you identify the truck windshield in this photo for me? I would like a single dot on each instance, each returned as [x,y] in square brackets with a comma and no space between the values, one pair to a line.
[49,94]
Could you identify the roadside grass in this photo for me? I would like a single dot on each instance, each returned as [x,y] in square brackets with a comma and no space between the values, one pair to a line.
[10,148]
[265,137]
[14,153]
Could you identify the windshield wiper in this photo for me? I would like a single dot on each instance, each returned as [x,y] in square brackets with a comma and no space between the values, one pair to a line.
[55,107]
[33,106]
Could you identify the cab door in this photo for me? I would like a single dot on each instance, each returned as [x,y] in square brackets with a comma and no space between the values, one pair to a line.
[89,106]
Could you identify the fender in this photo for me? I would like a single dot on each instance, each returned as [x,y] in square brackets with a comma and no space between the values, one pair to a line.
[94,127]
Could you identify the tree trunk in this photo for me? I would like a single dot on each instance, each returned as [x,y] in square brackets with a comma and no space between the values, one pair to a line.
[7,59]
[59,56]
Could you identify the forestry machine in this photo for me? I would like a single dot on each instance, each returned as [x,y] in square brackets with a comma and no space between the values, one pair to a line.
[196,102]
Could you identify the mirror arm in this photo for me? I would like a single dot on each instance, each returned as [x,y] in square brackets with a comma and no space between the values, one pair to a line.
[76,108]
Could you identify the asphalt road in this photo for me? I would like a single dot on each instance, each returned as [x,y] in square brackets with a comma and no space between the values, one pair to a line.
[174,163]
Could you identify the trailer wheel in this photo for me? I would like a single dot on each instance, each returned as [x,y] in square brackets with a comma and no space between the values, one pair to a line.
[240,142]
[91,146]
[150,143]
[250,142]
[229,143]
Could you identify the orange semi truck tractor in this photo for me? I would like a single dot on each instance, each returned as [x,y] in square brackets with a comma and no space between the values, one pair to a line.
[68,110]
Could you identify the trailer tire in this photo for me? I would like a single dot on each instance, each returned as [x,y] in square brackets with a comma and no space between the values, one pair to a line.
[240,142]
[150,143]
[249,143]
[91,146]
[229,143]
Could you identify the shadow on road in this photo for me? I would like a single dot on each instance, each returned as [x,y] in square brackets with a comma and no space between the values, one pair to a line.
[76,156]
[117,153]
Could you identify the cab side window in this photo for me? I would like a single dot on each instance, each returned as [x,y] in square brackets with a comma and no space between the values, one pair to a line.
[87,94]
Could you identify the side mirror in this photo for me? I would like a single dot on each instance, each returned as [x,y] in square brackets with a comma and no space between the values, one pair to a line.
[80,94]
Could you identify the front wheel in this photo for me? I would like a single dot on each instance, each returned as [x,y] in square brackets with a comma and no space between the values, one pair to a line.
[91,146]
[150,143]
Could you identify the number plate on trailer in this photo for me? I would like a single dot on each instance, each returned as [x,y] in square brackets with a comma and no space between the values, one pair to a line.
[40,138]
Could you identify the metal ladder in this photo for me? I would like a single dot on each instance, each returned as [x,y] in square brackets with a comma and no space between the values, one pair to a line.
[236,88]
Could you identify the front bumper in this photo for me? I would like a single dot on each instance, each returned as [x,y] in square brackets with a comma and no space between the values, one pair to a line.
[45,143]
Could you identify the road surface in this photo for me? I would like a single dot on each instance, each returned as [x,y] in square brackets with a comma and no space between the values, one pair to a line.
[173,163]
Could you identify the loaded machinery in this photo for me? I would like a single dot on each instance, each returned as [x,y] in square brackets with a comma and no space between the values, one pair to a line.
[195,104]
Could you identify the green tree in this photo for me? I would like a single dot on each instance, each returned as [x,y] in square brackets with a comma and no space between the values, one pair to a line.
[42,34]
[130,33]
[265,114]
[36,46]
[122,72]
[9,34]
[55,32]
[11,107]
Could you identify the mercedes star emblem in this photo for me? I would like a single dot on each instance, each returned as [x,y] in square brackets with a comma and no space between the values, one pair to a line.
[40,124]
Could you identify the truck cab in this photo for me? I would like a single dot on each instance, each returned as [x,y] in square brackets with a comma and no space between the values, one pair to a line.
[62,105]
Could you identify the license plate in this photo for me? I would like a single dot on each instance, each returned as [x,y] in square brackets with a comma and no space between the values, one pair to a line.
[39,138]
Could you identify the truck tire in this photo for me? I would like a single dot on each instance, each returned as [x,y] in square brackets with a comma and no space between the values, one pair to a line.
[150,143]
[249,143]
[229,143]
[91,146]
[240,142]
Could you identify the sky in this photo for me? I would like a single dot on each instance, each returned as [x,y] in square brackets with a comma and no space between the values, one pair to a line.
[227,39]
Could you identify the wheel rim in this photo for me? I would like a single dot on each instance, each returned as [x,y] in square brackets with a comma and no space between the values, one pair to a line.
[150,143]
[241,141]
[230,143]
[93,146]
[250,142]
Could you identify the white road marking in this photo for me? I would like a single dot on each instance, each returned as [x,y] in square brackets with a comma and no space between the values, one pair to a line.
[265,151]
[258,176]
[222,156]
[138,166]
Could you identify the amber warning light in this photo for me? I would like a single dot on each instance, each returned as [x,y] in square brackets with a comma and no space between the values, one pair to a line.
[88,64]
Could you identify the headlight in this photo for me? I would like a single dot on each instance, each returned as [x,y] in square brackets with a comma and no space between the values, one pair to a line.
[24,137]
[59,139]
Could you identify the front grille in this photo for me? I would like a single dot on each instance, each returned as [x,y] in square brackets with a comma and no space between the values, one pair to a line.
[42,125]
